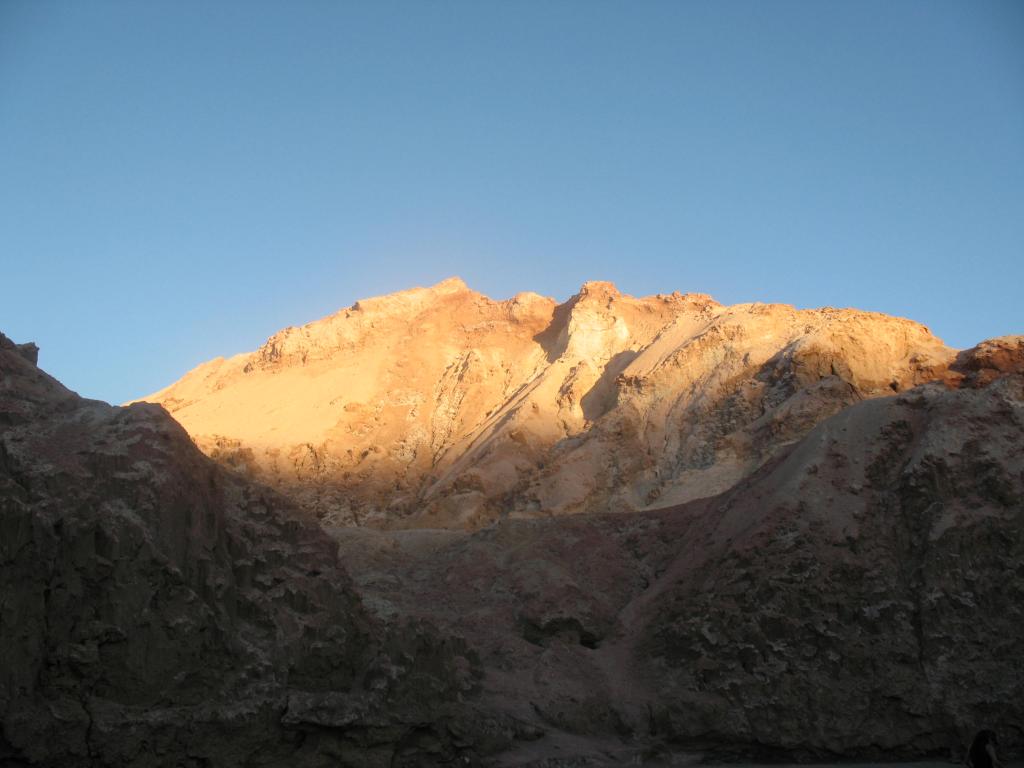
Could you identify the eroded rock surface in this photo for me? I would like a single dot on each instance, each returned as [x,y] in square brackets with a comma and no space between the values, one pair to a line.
[156,611]
[441,407]
[861,595]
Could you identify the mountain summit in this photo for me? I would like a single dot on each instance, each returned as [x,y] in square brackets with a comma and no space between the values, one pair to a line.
[441,407]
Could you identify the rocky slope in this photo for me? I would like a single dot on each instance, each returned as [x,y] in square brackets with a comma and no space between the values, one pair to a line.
[860,595]
[441,407]
[157,611]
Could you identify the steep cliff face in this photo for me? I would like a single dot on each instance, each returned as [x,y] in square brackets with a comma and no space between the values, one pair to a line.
[159,612]
[441,407]
[861,594]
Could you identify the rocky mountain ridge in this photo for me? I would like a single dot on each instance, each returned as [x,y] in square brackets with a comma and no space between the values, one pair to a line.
[440,407]
[858,595]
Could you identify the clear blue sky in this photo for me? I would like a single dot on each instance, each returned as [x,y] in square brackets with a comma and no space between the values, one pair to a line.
[178,180]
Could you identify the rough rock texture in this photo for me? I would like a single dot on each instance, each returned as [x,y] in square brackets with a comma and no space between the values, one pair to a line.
[155,611]
[867,591]
[983,364]
[29,351]
[862,594]
[441,407]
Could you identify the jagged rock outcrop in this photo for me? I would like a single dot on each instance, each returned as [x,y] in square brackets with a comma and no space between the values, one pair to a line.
[860,595]
[29,351]
[157,611]
[990,360]
[441,407]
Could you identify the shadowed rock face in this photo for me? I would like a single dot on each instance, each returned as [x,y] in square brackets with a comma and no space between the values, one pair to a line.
[867,590]
[862,594]
[158,612]
[858,594]
[441,407]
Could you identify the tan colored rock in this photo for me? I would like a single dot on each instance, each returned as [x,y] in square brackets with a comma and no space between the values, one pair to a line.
[441,407]
[991,359]
[861,595]
[159,611]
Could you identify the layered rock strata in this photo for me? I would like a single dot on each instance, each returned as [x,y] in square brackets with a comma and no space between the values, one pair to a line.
[441,407]
[859,596]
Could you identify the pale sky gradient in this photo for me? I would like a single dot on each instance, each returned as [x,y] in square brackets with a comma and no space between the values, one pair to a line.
[178,180]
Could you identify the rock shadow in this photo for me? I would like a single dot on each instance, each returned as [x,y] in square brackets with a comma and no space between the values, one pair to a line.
[555,338]
[601,397]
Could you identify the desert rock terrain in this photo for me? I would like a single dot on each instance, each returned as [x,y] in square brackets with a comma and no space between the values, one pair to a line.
[861,594]
[835,570]
[158,611]
[440,407]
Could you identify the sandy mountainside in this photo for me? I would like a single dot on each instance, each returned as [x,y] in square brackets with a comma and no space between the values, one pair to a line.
[157,611]
[440,407]
[861,594]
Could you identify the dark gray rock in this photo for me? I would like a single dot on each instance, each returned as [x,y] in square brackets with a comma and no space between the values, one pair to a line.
[157,611]
[29,351]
